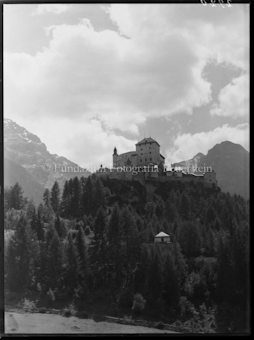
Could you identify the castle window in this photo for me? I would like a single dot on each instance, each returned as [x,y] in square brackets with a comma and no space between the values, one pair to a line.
[151,159]
[140,160]
[141,154]
[150,152]
[145,159]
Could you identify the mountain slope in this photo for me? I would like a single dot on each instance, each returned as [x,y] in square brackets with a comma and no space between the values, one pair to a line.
[230,161]
[27,151]
[14,173]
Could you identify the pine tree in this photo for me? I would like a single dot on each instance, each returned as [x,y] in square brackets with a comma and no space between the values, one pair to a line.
[170,211]
[75,198]
[39,223]
[65,202]
[30,211]
[114,247]
[179,262]
[55,197]
[83,257]
[130,239]
[142,269]
[46,198]
[72,266]
[155,273]
[225,270]
[87,197]
[32,218]
[99,196]
[54,264]
[171,289]
[185,206]
[16,199]
[58,226]
[190,239]
[22,252]
[97,249]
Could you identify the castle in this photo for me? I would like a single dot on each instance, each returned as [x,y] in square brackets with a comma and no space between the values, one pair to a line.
[147,166]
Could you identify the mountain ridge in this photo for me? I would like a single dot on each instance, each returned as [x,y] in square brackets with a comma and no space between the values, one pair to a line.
[230,161]
[24,149]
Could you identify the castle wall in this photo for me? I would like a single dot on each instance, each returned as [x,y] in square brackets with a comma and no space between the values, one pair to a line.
[121,160]
[148,153]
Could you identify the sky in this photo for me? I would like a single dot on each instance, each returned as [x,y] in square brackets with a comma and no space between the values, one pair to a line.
[86,78]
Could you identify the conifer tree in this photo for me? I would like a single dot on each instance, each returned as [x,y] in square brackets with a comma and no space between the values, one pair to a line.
[130,239]
[179,262]
[97,249]
[141,272]
[39,223]
[65,202]
[16,199]
[83,256]
[58,226]
[33,219]
[225,270]
[114,248]
[30,211]
[87,197]
[99,196]
[46,198]
[155,273]
[54,262]
[22,252]
[185,206]
[170,282]
[190,239]
[75,198]
[170,211]
[72,266]
[55,197]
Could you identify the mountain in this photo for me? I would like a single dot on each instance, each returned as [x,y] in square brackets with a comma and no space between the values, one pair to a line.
[27,161]
[16,173]
[230,161]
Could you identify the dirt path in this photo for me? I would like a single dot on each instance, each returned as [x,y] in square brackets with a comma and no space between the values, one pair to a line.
[35,323]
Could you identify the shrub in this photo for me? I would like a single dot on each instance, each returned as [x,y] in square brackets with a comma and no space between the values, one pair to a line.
[28,305]
[67,312]
[159,325]
[138,303]
[42,310]
[125,298]
[51,296]
[98,318]
[87,230]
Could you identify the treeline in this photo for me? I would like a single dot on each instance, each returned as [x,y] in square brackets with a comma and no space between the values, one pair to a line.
[89,245]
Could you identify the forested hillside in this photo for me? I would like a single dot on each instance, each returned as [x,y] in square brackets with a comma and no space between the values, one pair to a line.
[92,247]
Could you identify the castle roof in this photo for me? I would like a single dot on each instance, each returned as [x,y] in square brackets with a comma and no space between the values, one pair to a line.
[147,140]
[128,153]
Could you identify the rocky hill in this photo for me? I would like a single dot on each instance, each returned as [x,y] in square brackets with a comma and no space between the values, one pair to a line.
[230,161]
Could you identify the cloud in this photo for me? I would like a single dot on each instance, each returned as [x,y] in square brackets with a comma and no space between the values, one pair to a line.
[102,74]
[186,145]
[51,8]
[151,67]
[218,33]
[87,143]
[234,99]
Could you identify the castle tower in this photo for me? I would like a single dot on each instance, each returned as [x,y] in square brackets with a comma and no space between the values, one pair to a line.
[115,157]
